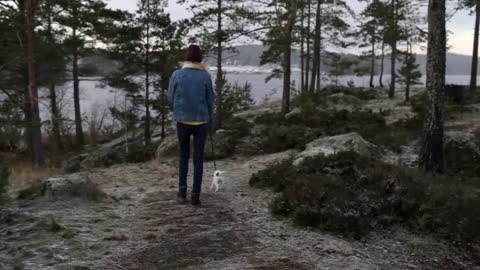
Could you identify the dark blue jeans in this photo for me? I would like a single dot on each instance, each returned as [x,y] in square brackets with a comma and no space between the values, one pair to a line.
[184,132]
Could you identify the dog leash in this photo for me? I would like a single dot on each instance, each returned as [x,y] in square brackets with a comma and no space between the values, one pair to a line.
[212,146]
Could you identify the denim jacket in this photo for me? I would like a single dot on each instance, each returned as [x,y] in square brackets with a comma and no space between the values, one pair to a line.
[190,94]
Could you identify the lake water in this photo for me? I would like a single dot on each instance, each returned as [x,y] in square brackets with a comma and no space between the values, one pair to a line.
[97,99]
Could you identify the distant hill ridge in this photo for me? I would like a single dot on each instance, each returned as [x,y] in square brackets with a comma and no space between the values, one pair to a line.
[249,55]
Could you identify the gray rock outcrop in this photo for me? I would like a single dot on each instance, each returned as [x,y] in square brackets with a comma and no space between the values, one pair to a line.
[327,146]
[73,185]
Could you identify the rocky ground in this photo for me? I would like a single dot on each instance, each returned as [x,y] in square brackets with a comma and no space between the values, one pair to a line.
[140,226]
[134,222]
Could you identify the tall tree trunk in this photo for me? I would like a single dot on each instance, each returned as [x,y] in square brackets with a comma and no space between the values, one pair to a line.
[319,52]
[382,64]
[27,106]
[55,113]
[316,50]
[431,155]
[287,54]
[287,57]
[307,68]
[319,61]
[27,110]
[38,158]
[219,80]
[302,50]
[474,73]
[80,141]
[393,56]
[55,118]
[407,88]
[372,64]
[147,133]
[408,80]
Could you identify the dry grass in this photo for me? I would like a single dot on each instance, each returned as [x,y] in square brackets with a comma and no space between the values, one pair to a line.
[23,174]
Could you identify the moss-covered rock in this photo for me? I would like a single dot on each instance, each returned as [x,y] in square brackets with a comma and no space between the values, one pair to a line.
[71,186]
[168,147]
[462,154]
[326,146]
[73,164]
[104,157]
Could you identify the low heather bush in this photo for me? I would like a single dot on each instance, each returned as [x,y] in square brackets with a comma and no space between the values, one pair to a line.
[352,195]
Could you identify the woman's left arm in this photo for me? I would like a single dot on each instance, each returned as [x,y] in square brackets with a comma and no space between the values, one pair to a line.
[210,96]
[171,89]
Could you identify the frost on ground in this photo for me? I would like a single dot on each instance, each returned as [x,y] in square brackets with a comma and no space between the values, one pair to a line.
[139,226]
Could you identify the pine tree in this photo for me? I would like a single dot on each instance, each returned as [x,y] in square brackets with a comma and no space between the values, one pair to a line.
[37,147]
[317,48]
[302,47]
[409,73]
[331,29]
[279,41]
[392,37]
[339,65]
[164,63]
[382,62]
[52,65]
[403,21]
[153,20]
[412,34]
[371,32]
[475,5]
[15,111]
[308,41]
[82,21]
[431,154]
[148,45]
[19,71]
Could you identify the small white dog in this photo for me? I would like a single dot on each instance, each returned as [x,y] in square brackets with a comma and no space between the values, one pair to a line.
[217,178]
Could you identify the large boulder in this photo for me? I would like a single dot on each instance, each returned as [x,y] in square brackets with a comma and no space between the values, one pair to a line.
[462,154]
[168,147]
[342,101]
[110,154]
[104,157]
[137,152]
[73,164]
[327,146]
[296,112]
[253,113]
[74,185]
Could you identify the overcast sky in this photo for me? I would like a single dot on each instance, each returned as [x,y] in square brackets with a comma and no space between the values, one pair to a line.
[461,25]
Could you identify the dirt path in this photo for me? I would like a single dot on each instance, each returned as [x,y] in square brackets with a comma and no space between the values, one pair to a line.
[234,230]
[141,227]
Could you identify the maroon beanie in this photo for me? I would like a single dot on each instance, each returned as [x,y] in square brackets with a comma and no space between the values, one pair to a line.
[193,54]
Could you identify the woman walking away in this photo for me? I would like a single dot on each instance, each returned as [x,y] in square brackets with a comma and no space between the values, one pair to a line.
[190,94]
